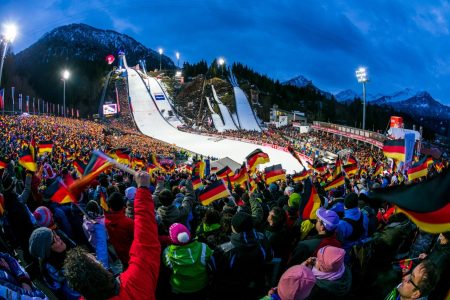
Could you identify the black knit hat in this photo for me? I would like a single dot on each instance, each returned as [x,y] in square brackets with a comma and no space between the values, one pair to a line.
[166,197]
[242,222]
[351,201]
[115,201]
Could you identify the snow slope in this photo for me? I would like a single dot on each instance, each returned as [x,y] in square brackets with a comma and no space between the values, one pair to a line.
[151,123]
[227,119]
[245,113]
[217,120]
[161,101]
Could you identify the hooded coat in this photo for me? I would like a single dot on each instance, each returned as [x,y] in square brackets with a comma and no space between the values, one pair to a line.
[239,266]
[121,232]
[189,266]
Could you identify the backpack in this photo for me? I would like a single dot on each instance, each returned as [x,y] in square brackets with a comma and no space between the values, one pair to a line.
[373,220]
[358,227]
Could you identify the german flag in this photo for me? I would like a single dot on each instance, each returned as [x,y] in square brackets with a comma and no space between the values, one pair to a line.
[429,160]
[351,170]
[252,185]
[79,166]
[337,182]
[297,177]
[274,173]
[138,162]
[188,168]
[256,158]
[154,160]
[26,160]
[103,202]
[151,168]
[337,167]
[3,163]
[199,169]
[121,155]
[318,167]
[378,170]
[425,203]
[45,146]
[79,185]
[213,192]
[222,173]
[418,170]
[362,171]
[395,149]
[351,160]
[241,175]
[310,201]
[372,162]
[60,193]
[94,164]
[196,182]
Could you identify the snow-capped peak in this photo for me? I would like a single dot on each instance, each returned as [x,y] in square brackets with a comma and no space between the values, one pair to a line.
[401,95]
[346,95]
[299,81]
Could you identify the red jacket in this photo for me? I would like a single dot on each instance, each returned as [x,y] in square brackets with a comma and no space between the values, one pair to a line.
[120,230]
[140,279]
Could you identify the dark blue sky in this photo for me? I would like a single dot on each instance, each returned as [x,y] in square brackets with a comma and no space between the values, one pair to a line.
[402,43]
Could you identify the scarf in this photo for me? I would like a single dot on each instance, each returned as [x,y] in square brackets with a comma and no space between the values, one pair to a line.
[329,275]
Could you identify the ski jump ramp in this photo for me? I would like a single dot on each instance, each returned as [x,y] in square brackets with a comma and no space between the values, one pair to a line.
[150,122]
[161,101]
[227,119]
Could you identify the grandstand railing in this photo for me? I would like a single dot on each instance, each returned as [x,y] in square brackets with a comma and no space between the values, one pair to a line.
[366,136]
[255,142]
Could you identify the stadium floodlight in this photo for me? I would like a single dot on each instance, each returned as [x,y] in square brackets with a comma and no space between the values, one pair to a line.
[221,62]
[8,36]
[177,54]
[65,76]
[361,75]
[160,50]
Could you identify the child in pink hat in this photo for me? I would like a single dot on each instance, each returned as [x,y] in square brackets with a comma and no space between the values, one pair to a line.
[295,284]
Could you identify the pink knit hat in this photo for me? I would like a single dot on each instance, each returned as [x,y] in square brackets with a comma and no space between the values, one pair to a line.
[179,234]
[296,283]
[330,259]
[43,216]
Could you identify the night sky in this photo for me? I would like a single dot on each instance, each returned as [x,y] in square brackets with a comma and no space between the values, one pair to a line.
[402,43]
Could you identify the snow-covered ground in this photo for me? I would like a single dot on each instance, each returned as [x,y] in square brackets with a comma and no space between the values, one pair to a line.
[151,123]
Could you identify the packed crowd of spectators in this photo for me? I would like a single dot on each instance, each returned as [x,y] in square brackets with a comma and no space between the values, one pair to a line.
[154,239]
[308,144]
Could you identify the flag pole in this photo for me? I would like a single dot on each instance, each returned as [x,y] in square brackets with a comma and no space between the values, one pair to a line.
[115,163]
[405,260]
[295,155]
